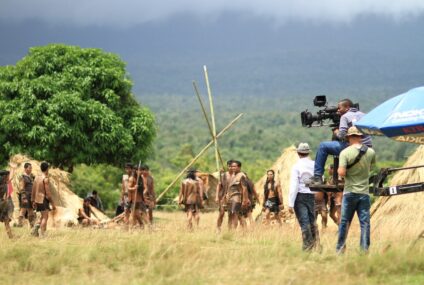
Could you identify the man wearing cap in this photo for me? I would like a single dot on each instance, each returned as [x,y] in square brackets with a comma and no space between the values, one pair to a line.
[355,165]
[301,199]
[349,116]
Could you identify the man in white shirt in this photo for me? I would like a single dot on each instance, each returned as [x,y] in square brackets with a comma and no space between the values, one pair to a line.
[301,199]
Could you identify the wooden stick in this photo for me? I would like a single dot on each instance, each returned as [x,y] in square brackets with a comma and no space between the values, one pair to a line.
[213,116]
[198,156]
[207,120]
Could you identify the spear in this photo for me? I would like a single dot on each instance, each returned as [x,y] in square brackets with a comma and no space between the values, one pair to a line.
[207,119]
[197,157]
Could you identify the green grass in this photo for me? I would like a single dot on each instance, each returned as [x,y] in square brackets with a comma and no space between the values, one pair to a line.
[172,255]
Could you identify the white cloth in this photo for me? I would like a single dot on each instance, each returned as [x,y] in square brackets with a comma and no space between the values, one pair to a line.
[301,172]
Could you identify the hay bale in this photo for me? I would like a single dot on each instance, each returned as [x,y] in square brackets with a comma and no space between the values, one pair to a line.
[282,168]
[67,202]
[401,216]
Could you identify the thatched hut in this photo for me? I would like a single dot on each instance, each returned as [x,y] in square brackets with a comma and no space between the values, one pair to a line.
[67,202]
[401,216]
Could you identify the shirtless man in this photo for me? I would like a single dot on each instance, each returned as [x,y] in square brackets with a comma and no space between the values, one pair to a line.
[237,195]
[253,199]
[136,205]
[221,192]
[320,208]
[24,195]
[6,208]
[149,192]
[42,198]
[84,214]
[124,192]
[273,196]
[191,196]
[334,199]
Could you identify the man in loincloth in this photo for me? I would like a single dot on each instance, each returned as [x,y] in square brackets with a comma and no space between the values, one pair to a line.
[85,214]
[149,192]
[221,194]
[334,198]
[24,196]
[253,199]
[42,198]
[191,196]
[237,194]
[6,207]
[136,205]
[273,196]
[124,193]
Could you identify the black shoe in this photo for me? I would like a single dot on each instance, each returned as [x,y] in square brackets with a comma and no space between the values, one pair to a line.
[316,180]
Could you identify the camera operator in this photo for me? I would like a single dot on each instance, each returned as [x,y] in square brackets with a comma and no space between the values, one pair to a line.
[349,115]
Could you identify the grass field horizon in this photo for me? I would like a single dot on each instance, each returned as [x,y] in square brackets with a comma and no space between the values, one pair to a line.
[172,255]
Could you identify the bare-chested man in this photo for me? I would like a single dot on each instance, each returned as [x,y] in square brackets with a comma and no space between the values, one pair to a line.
[6,207]
[191,196]
[24,196]
[334,199]
[320,207]
[136,205]
[124,192]
[42,198]
[149,192]
[85,214]
[253,199]
[273,196]
[221,194]
[237,195]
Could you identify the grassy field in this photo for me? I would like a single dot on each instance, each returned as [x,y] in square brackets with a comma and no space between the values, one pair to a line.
[171,255]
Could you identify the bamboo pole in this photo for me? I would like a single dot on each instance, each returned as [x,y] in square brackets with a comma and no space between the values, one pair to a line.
[196,90]
[212,115]
[197,156]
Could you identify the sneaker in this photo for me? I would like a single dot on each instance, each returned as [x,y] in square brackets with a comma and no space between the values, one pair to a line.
[316,180]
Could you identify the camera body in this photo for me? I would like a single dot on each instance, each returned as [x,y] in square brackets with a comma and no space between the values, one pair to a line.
[326,116]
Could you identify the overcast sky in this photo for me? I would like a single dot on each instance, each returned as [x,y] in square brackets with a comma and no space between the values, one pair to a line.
[125,13]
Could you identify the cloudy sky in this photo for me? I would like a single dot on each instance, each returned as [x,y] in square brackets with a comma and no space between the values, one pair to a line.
[126,13]
[250,46]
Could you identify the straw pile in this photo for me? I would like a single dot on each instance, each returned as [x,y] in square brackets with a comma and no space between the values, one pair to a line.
[282,168]
[67,202]
[401,216]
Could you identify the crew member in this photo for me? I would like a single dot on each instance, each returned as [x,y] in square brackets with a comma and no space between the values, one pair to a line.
[355,166]
[349,116]
[301,199]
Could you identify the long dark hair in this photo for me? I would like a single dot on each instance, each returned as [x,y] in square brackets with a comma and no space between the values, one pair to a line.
[266,189]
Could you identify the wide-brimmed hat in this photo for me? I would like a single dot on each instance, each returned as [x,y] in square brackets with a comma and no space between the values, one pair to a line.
[353,131]
[303,148]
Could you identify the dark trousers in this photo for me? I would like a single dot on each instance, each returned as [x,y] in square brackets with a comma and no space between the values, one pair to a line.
[304,210]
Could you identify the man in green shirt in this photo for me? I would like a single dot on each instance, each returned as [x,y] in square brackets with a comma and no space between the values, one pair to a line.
[355,165]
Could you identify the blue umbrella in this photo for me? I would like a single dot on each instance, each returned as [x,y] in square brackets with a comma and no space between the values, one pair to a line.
[400,118]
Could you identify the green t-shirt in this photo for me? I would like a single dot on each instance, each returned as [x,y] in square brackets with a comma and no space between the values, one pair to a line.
[357,177]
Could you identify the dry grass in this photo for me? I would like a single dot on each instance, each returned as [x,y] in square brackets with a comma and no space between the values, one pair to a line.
[171,255]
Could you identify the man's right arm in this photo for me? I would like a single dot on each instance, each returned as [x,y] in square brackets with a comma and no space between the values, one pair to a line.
[343,127]
[294,187]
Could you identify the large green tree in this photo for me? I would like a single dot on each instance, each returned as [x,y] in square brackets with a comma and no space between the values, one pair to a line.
[68,105]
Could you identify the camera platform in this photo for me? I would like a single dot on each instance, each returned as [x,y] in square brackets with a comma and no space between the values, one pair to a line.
[326,188]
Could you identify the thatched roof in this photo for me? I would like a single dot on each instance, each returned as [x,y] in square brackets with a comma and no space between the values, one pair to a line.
[67,202]
[403,215]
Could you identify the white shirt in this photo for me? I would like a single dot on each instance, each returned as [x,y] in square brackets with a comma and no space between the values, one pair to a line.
[301,172]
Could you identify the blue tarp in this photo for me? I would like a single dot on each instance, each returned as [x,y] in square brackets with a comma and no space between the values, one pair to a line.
[400,118]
